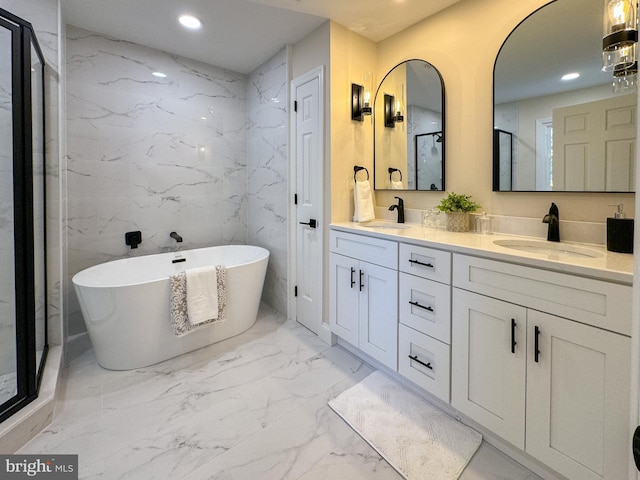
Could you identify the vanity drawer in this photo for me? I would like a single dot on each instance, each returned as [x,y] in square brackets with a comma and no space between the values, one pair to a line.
[426,262]
[370,249]
[593,302]
[425,361]
[425,306]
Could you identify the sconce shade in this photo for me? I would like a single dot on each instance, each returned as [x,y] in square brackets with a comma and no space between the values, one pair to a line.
[389,102]
[360,106]
[620,34]
[625,80]
[619,42]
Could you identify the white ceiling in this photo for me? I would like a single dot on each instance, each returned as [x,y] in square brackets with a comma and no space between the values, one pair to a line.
[240,35]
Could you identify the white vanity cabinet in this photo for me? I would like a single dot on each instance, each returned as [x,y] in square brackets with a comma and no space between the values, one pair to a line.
[555,384]
[424,333]
[364,294]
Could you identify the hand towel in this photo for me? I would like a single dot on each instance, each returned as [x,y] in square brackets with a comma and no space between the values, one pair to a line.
[179,318]
[363,201]
[202,294]
[397,184]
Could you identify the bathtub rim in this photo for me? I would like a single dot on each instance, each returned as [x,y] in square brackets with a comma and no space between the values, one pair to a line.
[77,277]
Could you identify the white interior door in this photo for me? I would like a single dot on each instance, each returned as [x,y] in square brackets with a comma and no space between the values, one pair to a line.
[308,194]
[594,145]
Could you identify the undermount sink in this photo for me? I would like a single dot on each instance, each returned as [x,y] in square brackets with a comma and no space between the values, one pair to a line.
[535,246]
[383,224]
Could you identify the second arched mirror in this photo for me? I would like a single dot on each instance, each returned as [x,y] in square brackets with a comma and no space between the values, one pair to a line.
[409,147]
[558,124]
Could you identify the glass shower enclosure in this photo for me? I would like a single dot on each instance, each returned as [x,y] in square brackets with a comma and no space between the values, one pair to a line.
[23,287]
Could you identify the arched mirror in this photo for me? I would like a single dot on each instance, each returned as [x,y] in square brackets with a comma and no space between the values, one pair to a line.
[409,135]
[553,134]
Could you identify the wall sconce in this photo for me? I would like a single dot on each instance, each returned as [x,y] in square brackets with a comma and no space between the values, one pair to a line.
[620,40]
[388,111]
[360,102]
[398,117]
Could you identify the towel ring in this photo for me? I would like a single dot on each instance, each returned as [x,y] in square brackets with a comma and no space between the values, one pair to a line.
[356,169]
[391,170]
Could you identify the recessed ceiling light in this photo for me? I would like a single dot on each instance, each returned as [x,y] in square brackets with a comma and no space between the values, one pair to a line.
[570,76]
[159,74]
[190,21]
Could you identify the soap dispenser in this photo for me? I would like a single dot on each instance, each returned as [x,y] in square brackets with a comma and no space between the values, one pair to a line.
[619,232]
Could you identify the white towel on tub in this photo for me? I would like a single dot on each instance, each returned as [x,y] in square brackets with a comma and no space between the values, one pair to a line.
[179,314]
[202,294]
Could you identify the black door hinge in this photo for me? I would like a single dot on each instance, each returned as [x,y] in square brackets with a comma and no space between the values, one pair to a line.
[295,198]
[295,291]
[295,105]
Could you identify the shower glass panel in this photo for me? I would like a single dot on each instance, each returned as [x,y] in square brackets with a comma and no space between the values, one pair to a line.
[39,234]
[8,362]
[23,287]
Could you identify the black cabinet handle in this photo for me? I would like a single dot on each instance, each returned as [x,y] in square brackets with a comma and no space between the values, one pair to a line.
[536,347]
[417,262]
[361,282]
[415,359]
[353,282]
[416,304]
[312,223]
[513,335]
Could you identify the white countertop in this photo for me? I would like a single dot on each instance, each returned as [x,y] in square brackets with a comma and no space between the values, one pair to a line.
[615,267]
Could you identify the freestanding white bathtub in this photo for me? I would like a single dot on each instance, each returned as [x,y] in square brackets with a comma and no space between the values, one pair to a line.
[125,303]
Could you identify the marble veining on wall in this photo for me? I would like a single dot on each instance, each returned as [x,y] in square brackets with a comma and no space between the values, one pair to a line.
[162,154]
[267,171]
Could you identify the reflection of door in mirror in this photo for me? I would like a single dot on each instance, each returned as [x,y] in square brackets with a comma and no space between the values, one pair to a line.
[419,87]
[552,149]
[594,145]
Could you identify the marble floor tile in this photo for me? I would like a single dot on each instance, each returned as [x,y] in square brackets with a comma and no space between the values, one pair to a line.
[250,407]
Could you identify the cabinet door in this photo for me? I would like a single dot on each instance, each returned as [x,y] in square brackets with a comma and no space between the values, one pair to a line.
[379,314]
[344,297]
[487,368]
[578,398]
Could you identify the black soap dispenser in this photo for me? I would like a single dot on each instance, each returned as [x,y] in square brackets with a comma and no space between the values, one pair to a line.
[619,232]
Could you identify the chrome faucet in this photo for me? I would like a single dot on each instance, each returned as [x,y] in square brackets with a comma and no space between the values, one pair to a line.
[553,219]
[176,237]
[400,208]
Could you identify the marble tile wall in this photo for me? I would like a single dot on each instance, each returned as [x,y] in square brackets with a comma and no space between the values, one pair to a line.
[166,154]
[267,141]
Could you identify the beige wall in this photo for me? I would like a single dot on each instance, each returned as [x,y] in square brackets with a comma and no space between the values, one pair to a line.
[352,56]
[462,43]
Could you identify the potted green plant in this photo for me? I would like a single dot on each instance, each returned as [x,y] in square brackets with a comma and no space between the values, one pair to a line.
[457,208]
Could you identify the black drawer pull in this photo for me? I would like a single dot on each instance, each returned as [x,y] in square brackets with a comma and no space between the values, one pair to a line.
[353,282]
[536,346]
[513,335]
[418,262]
[361,282]
[415,359]
[416,304]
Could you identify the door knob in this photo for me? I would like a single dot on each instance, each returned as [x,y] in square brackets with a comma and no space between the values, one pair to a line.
[312,223]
